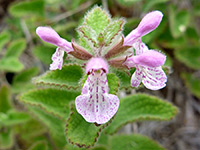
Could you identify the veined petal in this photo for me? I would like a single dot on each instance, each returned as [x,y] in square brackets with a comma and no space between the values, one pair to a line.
[95,64]
[95,104]
[140,47]
[57,59]
[154,78]
[136,78]
[49,35]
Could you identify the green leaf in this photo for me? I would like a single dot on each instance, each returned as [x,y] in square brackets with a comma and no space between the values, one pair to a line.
[88,33]
[5,98]
[16,48]
[26,75]
[6,138]
[26,130]
[44,53]
[124,78]
[149,4]
[190,56]
[11,64]
[22,81]
[133,142]
[127,3]
[141,107]
[112,30]
[68,77]
[97,19]
[41,145]
[4,38]
[54,101]
[54,124]
[13,117]
[178,21]
[80,132]
[192,82]
[27,8]
[113,83]
[84,42]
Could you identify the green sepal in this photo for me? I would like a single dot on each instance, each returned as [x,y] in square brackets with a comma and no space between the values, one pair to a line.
[53,101]
[141,107]
[67,78]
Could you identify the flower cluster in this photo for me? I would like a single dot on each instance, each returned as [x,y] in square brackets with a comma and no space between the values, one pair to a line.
[95,103]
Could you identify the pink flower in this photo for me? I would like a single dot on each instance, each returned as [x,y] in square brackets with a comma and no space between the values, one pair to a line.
[95,103]
[148,63]
[47,34]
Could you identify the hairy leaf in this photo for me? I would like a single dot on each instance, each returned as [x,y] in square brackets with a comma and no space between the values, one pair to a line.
[133,142]
[97,19]
[141,107]
[113,83]
[67,78]
[88,33]
[53,101]
[112,30]
[80,132]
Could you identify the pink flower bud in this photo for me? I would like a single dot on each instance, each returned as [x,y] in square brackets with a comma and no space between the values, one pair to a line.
[149,22]
[49,35]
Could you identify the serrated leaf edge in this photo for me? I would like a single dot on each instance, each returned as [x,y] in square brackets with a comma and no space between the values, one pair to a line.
[54,85]
[95,139]
[19,98]
[148,117]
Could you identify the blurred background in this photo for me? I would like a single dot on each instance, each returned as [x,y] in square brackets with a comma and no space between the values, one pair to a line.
[23,55]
